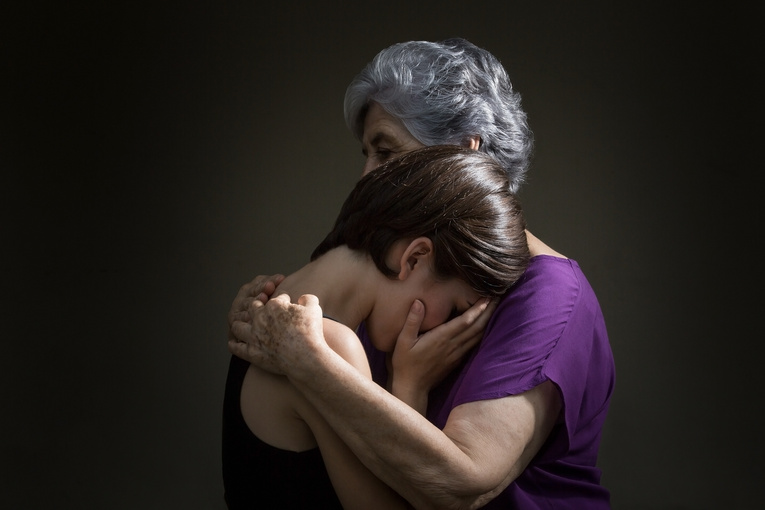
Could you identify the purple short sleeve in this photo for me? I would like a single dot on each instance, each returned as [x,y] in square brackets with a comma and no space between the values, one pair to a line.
[548,327]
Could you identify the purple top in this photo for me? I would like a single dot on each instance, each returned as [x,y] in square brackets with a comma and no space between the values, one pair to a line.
[548,327]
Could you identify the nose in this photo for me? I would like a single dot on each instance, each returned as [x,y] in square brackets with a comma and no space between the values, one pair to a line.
[369,165]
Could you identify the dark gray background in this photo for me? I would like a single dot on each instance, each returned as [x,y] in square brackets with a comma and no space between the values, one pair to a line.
[155,157]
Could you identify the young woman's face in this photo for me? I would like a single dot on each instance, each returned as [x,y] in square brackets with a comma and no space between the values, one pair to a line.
[443,300]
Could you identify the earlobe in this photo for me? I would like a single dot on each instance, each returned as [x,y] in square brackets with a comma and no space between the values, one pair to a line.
[417,252]
[474,142]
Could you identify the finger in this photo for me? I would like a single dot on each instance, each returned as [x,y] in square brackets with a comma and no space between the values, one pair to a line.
[239,332]
[474,312]
[456,328]
[411,330]
[270,286]
[240,316]
[261,287]
[281,299]
[474,329]
[277,279]
[242,300]
[238,349]
[237,317]
[483,318]
[463,347]
[262,281]
[252,287]
[243,314]
[308,300]
[249,301]
[469,323]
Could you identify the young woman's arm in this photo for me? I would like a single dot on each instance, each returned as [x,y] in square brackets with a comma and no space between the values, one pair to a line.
[354,484]
[483,447]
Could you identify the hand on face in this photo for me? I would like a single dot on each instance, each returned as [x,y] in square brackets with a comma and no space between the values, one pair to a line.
[278,334]
[420,362]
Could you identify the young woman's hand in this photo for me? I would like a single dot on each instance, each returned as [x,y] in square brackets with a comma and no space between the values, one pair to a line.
[420,362]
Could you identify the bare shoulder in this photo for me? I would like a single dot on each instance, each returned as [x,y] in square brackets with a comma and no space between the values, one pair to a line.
[344,342]
[537,247]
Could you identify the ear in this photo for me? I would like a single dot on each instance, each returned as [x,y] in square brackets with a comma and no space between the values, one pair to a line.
[474,142]
[416,255]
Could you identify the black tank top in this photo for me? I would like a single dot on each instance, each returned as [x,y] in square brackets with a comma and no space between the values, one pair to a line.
[257,475]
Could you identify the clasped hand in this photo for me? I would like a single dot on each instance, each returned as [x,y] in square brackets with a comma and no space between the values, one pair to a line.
[263,329]
[271,332]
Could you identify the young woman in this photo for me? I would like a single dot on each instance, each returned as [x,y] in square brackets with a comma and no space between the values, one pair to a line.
[518,424]
[439,226]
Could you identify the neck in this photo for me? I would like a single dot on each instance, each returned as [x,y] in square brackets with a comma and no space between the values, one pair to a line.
[537,247]
[342,279]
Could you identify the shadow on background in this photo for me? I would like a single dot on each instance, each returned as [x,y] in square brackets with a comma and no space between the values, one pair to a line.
[157,157]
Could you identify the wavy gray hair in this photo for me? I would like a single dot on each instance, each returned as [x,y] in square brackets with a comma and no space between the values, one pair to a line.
[445,93]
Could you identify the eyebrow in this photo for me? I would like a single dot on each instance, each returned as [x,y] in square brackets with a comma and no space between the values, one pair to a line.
[376,139]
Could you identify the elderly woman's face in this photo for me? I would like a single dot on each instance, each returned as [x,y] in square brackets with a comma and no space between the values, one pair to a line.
[385,137]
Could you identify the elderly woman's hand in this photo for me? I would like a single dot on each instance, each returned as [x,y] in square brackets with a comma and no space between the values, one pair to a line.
[259,289]
[277,335]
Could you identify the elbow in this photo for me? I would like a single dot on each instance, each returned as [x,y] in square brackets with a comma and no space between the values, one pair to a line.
[453,502]
[458,496]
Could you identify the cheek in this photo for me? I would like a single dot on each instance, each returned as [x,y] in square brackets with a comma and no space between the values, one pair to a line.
[435,316]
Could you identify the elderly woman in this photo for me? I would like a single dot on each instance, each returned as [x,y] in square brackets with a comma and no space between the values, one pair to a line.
[518,423]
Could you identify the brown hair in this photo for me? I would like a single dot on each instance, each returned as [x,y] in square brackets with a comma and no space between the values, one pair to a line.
[457,197]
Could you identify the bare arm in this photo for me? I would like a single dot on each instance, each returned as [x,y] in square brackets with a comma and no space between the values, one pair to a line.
[356,487]
[483,447]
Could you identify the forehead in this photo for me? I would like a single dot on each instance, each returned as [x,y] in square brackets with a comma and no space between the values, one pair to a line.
[467,292]
[456,289]
[379,124]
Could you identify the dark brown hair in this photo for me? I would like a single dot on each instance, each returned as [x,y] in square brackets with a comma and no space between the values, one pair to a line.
[457,197]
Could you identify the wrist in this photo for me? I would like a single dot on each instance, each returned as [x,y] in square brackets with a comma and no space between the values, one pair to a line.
[411,394]
[307,360]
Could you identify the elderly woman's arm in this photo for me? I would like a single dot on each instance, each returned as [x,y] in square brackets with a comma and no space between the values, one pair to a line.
[483,447]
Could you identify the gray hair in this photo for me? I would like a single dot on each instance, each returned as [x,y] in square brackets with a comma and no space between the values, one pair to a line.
[444,93]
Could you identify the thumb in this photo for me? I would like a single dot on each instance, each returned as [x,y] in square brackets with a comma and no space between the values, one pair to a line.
[413,322]
[308,300]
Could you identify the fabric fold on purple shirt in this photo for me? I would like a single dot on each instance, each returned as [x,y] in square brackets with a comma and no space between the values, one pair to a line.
[548,327]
